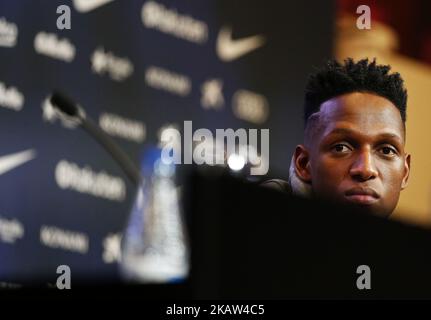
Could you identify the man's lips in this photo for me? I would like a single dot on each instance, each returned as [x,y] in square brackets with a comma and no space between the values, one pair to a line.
[362,195]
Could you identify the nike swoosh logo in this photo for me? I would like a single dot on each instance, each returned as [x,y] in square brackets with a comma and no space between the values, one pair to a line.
[88,5]
[229,49]
[11,161]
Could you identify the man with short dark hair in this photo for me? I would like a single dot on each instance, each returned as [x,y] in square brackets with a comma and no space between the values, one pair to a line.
[353,150]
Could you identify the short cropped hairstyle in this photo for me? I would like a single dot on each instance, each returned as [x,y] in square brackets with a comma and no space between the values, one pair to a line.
[335,79]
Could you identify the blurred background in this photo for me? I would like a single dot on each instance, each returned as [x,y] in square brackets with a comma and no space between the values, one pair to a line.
[141,67]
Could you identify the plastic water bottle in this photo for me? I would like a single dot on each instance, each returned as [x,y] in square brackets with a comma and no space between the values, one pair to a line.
[155,247]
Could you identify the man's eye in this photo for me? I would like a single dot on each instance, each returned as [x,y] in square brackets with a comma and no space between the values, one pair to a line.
[341,148]
[388,151]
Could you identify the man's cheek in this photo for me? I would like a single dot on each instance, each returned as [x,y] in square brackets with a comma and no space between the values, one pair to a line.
[329,170]
[326,179]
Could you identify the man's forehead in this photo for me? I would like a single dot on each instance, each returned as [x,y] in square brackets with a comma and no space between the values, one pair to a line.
[345,129]
[360,112]
[358,103]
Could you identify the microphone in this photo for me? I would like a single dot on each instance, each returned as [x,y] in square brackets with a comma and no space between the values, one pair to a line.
[64,104]
[69,107]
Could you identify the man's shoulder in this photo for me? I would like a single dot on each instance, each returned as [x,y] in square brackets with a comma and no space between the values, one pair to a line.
[278,184]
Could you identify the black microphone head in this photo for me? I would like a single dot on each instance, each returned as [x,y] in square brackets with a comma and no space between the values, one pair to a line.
[64,103]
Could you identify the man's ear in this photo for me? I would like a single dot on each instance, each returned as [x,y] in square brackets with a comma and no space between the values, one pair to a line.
[406,172]
[302,163]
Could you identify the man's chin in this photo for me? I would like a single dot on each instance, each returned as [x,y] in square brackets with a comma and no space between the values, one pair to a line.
[369,208]
[363,205]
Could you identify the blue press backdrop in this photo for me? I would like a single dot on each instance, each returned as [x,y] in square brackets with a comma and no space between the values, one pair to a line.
[134,74]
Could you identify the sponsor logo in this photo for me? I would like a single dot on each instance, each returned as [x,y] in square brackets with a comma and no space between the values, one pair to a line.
[112,248]
[8,33]
[229,49]
[10,230]
[157,16]
[11,98]
[50,45]
[11,161]
[57,238]
[121,127]
[70,176]
[9,285]
[117,68]
[163,79]
[51,114]
[250,106]
[84,6]
[212,96]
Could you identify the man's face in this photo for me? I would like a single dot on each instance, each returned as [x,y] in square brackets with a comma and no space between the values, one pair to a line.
[356,153]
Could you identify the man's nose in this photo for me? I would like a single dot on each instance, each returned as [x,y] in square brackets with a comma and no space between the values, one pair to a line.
[363,168]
